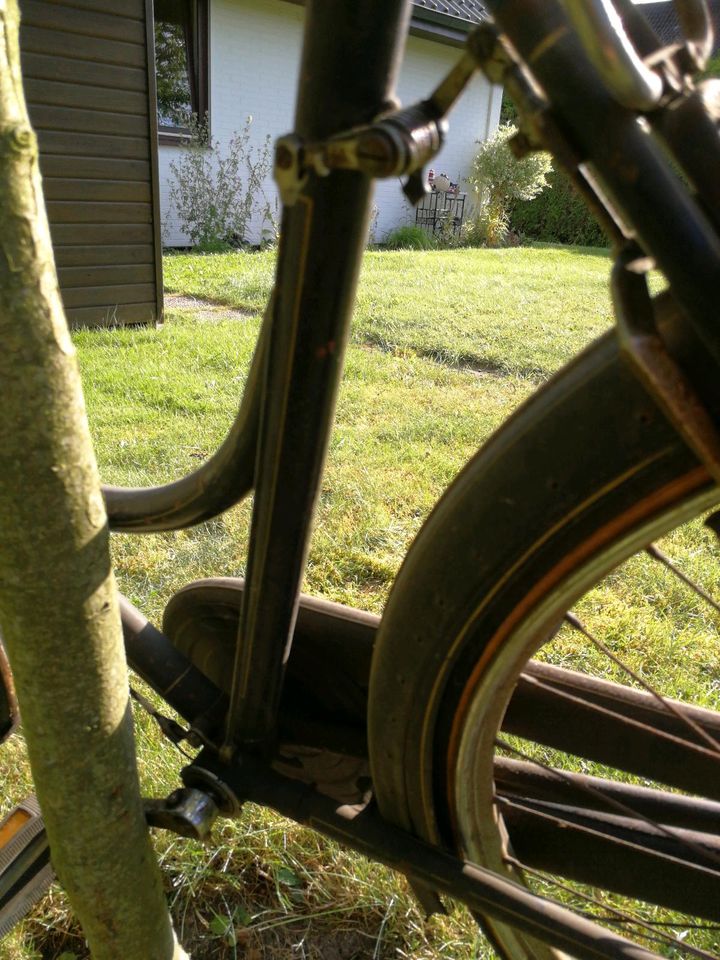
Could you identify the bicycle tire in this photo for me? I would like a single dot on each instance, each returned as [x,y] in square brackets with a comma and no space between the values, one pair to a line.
[581,477]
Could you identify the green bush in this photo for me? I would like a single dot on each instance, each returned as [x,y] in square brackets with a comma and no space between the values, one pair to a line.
[508,110]
[213,246]
[410,238]
[498,179]
[216,190]
[557,216]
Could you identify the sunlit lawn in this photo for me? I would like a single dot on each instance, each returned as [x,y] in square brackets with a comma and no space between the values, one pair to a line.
[444,346]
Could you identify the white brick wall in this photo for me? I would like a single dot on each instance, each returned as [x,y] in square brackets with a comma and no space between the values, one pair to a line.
[254,62]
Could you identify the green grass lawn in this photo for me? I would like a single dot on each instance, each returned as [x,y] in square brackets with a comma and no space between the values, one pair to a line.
[519,311]
[444,346]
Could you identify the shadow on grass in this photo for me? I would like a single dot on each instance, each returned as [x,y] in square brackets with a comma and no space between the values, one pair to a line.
[570,249]
[464,362]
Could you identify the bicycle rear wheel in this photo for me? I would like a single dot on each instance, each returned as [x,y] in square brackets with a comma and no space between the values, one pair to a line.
[586,474]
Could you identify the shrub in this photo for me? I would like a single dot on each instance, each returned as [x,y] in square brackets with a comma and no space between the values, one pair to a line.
[373,225]
[213,246]
[498,179]
[410,238]
[557,216]
[712,67]
[217,193]
[508,110]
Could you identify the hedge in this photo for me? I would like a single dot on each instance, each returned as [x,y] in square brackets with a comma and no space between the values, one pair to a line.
[557,216]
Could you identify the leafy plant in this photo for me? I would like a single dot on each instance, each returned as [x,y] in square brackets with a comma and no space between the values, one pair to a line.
[448,235]
[712,67]
[217,193]
[410,238]
[497,179]
[171,75]
[508,110]
[558,215]
[373,225]
[214,246]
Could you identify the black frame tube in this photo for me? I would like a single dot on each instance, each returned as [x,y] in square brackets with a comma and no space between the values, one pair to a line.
[220,483]
[342,84]
[363,830]
[622,153]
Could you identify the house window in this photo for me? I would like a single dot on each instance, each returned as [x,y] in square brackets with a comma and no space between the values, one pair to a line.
[181,63]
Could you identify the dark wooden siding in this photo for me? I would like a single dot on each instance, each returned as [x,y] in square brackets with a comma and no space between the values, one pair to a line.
[90,88]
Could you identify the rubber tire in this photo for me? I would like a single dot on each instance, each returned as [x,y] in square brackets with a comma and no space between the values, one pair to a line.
[586,473]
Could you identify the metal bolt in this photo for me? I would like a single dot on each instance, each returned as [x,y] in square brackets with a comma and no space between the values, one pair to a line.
[375,146]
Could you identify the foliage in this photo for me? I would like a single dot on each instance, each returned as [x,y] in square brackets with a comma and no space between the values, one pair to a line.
[498,179]
[447,236]
[558,215]
[171,72]
[270,232]
[217,193]
[712,67]
[480,227]
[508,110]
[213,246]
[410,237]
[373,225]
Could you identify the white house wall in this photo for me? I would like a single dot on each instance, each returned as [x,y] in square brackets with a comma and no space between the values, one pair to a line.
[474,118]
[254,63]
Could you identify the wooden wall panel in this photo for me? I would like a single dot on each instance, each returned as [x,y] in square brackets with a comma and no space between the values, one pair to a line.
[56,67]
[104,255]
[90,90]
[119,315]
[92,145]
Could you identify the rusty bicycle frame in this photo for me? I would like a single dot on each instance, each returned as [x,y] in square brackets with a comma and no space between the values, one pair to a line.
[348,130]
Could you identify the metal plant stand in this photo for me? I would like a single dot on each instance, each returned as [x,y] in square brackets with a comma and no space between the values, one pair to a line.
[441,212]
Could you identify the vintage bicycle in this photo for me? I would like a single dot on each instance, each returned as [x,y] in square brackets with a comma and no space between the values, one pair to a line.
[437,704]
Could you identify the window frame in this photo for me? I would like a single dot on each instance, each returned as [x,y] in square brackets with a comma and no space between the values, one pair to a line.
[200,74]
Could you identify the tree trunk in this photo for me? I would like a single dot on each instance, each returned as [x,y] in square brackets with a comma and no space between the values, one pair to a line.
[58,602]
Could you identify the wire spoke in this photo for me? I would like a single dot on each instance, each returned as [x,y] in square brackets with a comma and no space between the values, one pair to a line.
[169,728]
[615,714]
[618,916]
[673,708]
[701,743]
[657,554]
[613,803]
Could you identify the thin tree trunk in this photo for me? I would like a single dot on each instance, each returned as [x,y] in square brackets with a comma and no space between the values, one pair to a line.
[58,602]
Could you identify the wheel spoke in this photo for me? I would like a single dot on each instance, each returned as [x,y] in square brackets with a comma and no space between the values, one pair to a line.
[656,553]
[538,781]
[658,847]
[703,845]
[674,708]
[613,853]
[614,725]
[650,929]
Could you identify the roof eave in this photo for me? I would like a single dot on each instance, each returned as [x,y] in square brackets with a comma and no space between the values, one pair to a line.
[432,25]
[448,30]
